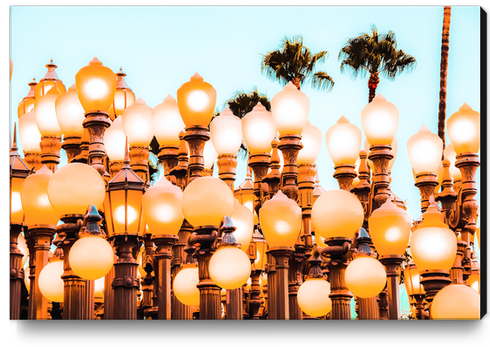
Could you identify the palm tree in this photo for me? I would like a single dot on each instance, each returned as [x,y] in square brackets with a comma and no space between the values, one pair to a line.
[442,93]
[375,54]
[293,62]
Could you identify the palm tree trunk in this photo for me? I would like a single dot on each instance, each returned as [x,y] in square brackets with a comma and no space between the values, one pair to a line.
[444,60]
[373,84]
[297,83]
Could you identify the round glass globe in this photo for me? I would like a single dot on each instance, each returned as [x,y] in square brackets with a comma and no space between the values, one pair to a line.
[230,267]
[209,154]
[74,187]
[456,301]
[313,297]
[137,123]
[311,138]
[196,200]
[167,122]
[29,133]
[50,283]
[196,100]
[91,257]
[226,133]
[258,130]
[185,285]
[45,111]
[379,121]
[365,277]
[115,140]
[337,213]
[463,129]
[343,142]
[290,108]
[280,218]
[162,208]
[390,228]
[70,113]
[424,151]
[243,220]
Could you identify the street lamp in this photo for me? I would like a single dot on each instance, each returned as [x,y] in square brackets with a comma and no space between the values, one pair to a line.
[50,81]
[123,97]
[415,290]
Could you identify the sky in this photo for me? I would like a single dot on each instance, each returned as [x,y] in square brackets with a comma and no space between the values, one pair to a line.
[160,48]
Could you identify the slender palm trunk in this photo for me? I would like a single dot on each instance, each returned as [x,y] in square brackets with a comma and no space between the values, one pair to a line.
[373,84]
[297,83]
[444,60]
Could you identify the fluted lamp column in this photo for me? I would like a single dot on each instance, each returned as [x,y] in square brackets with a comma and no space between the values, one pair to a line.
[163,213]
[72,189]
[196,100]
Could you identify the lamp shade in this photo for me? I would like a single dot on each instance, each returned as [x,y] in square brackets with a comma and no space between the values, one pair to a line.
[379,121]
[96,86]
[70,113]
[365,277]
[29,133]
[50,283]
[137,123]
[450,154]
[412,280]
[390,229]
[313,297]
[91,257]
[463,129]
[45,112]
[123,97]
[74,187]
[185,285]
[50,81]
[280,218]
[245,192]
[167,122]
[290,109]
[424,151]
[243,220]
[229,267]
[162,208]
[226,133]
[311,138]
[115,140]
[337,213]
[196,100]
[16,210]
[343,142]
[196,199]
[433,244]
[27,103]
[209,154]
[258,130]
[456,301]
[35,201]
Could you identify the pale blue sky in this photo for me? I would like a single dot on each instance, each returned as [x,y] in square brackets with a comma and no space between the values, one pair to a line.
[160,48]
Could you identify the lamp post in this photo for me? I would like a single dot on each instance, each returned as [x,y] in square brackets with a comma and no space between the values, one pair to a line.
[415,290]
[96,87]
[18,173]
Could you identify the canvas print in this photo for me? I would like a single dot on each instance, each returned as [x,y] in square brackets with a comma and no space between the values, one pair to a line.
[247,163]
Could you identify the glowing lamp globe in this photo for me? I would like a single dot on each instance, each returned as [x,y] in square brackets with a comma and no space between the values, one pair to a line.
[226,133]
[474,282]
[45,111]
[50,283]
[424,151]
[137,123]
[99,286]
[123,97]
[115,140]
[96,86]
[450,154]
[74,187]
[290,109]
[343,142]
[337,213]
[280,219]
[167,122]
[29,133]
[365,277]
[49,81]
[259,130]
[311,138]
[379,121]
[313,297]
[243,220]
[91,257]
[456,301]
[185,285]
[162,208]
[230,267]
[70,113]
[463,129]
[209,154]
[433,244]
[196,200]
[390,228]
[35,202]
[412,280]
[196,100]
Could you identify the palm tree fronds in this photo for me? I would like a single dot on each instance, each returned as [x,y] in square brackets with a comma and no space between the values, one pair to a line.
[322,81]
